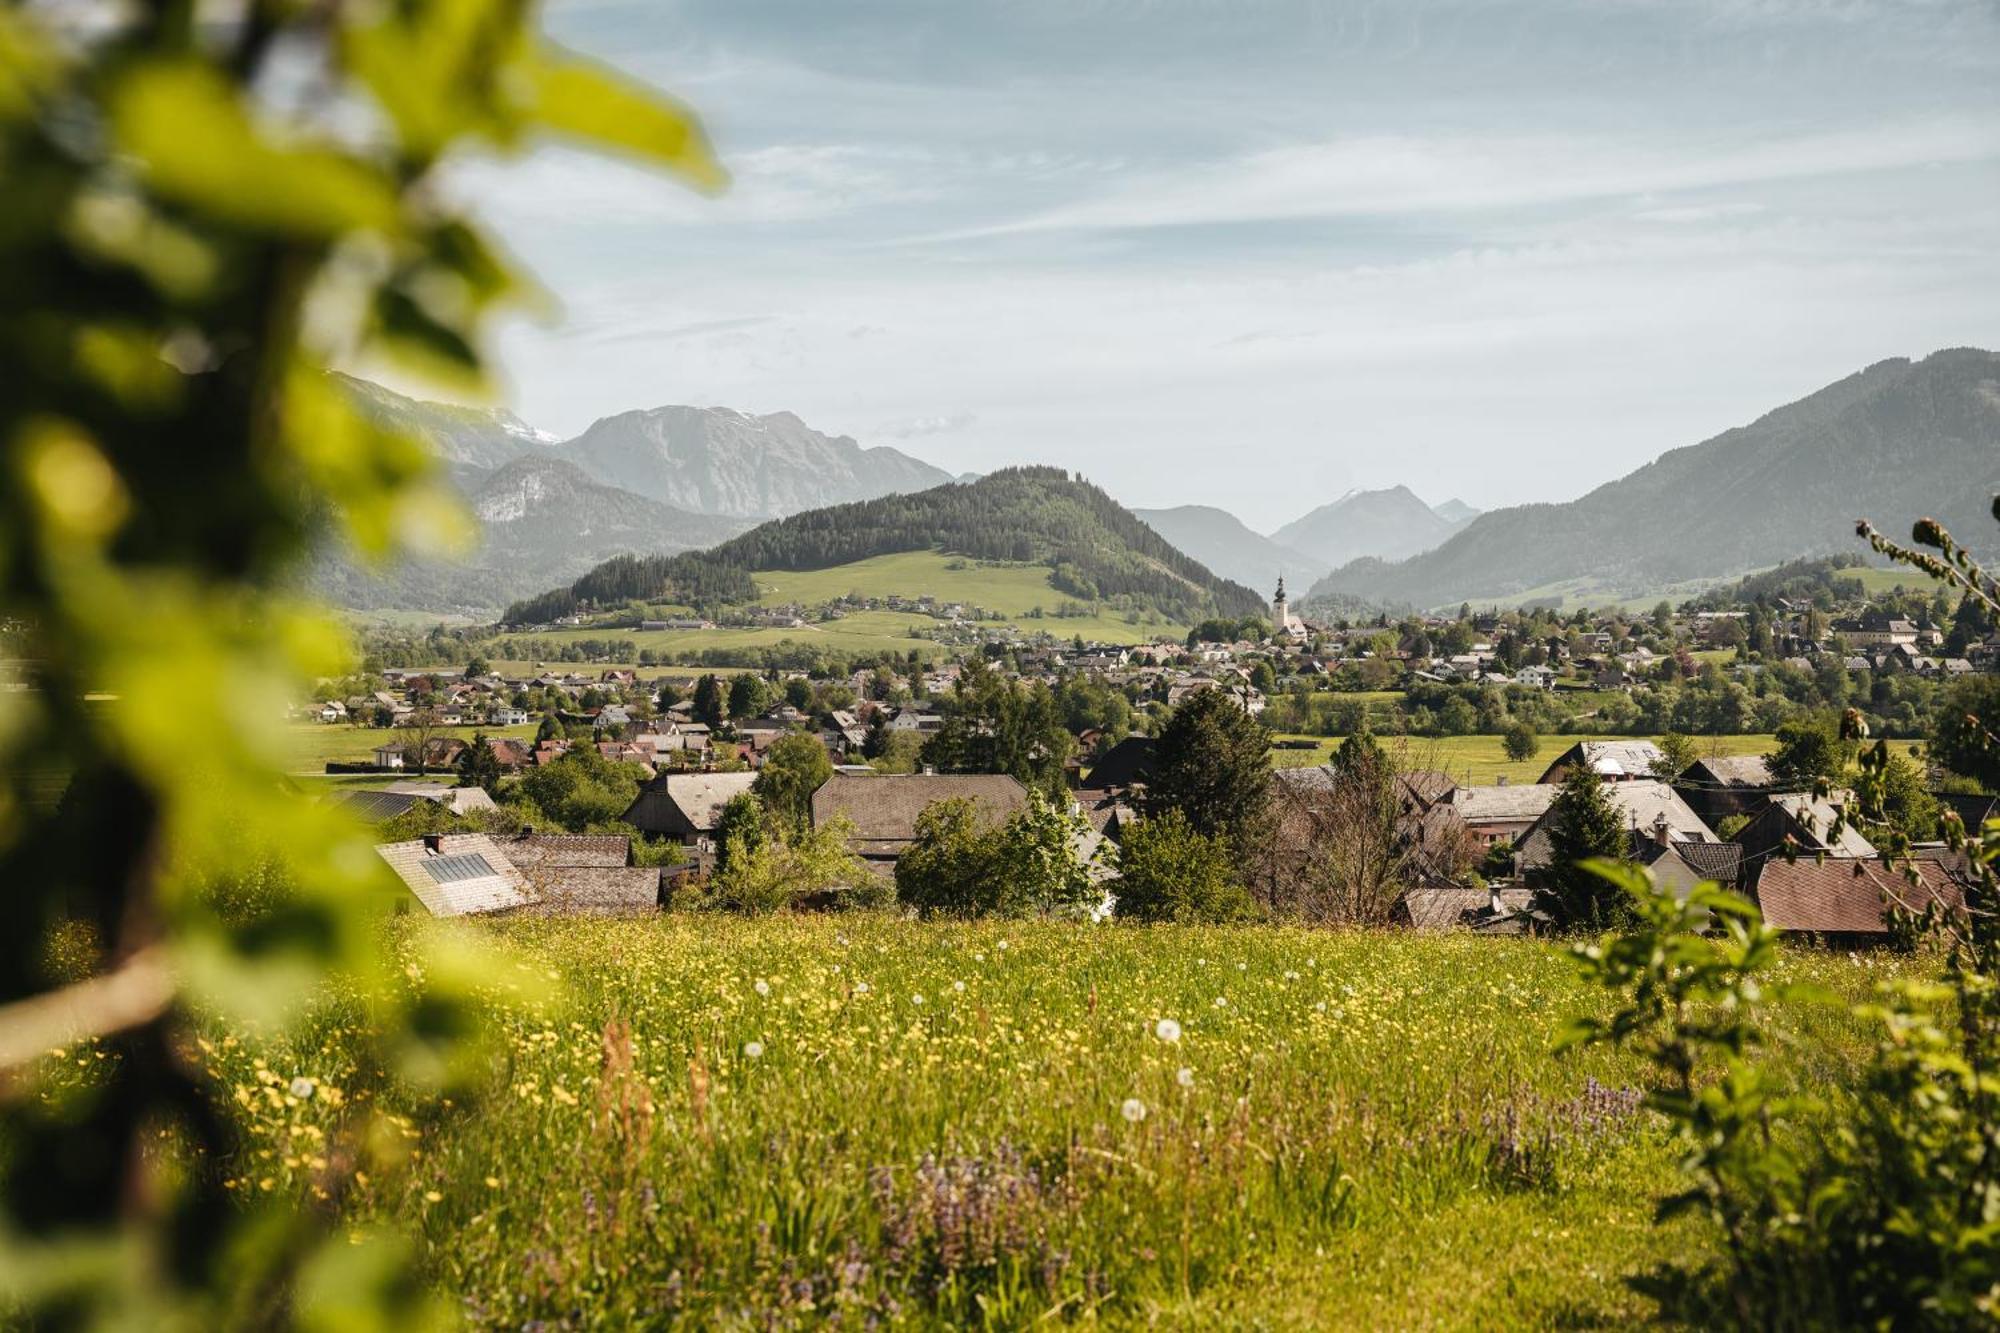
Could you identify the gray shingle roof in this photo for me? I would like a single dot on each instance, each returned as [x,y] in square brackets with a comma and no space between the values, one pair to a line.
[568,849]
[681,803]
[501,888]
[884,807]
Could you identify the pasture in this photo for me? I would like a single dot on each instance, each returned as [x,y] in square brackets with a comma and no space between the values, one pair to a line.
[804,1122]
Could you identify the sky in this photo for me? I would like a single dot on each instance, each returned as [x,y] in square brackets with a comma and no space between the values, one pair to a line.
[1254,253]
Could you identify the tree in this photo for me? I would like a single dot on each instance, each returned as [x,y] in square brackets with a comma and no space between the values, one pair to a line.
[1520,742]
[414,734]
[807,869]
[1210,762]
[996,725]
[549,730]
[1582,825]
[799,693]
[1169,872]
[739,830]
[1968,720]
[960,866]
[1809,751]
[477,667]
[1677,754]
[479,766]
[175,449]
[1343,845]
[709,702]
[747,696]
[794,768]
[577,791]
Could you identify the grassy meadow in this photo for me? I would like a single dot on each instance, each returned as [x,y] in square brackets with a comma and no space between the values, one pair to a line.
[804,1122]
[1482,760]
[308,747]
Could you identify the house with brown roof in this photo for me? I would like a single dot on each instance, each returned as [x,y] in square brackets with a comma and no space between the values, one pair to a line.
[1500,815]
[1847,898]
[684,807]
[583,874]
[883,808]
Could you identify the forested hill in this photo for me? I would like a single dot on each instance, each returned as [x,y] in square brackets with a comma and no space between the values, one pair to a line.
[1095,550]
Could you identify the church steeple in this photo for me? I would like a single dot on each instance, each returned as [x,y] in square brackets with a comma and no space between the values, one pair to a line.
[1280,610]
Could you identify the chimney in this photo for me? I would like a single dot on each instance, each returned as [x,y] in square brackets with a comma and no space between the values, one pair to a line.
[1662,834]
[930,770]
[434,843]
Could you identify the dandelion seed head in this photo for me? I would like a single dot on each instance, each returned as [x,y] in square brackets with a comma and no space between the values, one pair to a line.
[1133,1110]
[1167,1030]
[754,1049]
[761,986]
[1185,1077]
[303,1088]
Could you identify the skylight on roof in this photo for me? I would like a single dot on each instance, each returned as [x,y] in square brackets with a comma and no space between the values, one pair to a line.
[452,869]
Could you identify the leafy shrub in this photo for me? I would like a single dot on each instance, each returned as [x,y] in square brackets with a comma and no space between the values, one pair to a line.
[1170,872]
[958,866]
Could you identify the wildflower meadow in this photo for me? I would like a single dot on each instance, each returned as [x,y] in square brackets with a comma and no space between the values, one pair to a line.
[864,1121]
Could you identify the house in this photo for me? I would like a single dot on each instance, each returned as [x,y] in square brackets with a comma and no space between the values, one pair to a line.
[1123,765]
[1720,787]
[1495,816]
[332,711]
[389,756]
[1536,677]
[1848,897]
[1451,907]
[1310,803]
[511,755]
[1614,761]
[393,800]
[1680,865]
[457,874]
[684,807]
[884,808]
[1646,806]
[912,719]
[507,716]
[1803,821]
[583,874]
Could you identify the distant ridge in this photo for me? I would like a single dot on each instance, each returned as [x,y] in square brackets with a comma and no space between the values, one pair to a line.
[711,460]
[1388,524]
[1894,442]
[1221,541]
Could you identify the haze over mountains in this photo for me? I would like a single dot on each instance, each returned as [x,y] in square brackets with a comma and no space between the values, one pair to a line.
[1896,441]
[1900,440]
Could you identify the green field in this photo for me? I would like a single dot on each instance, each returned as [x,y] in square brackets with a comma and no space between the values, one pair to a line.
[1482,760]
[863,634]
[979,1126]
[307,747]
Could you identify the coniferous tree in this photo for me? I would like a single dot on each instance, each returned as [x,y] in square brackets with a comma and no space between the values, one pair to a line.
[479,766]
[1211,763]
[708,702]
[1583,824]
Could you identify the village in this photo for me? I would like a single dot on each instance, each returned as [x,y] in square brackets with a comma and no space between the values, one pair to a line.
[1455,853]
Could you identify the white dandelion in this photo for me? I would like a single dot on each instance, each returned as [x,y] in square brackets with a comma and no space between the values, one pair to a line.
[979,958]
[916,999]
[754,1049]
[1222,1002]
[1003,945]
[958,986]
[1167,1030]
[860,988]
[303,1088]
[761,986]
[1185,1077]
[1133,1110]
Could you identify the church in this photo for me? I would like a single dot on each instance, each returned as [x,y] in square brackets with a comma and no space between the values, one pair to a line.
[1284,621]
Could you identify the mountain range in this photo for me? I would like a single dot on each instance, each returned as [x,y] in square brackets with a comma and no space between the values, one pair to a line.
[1221,541]
[653,482]
[1900,440]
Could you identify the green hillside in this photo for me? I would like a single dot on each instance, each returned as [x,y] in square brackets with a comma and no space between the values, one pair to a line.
[1094,551]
